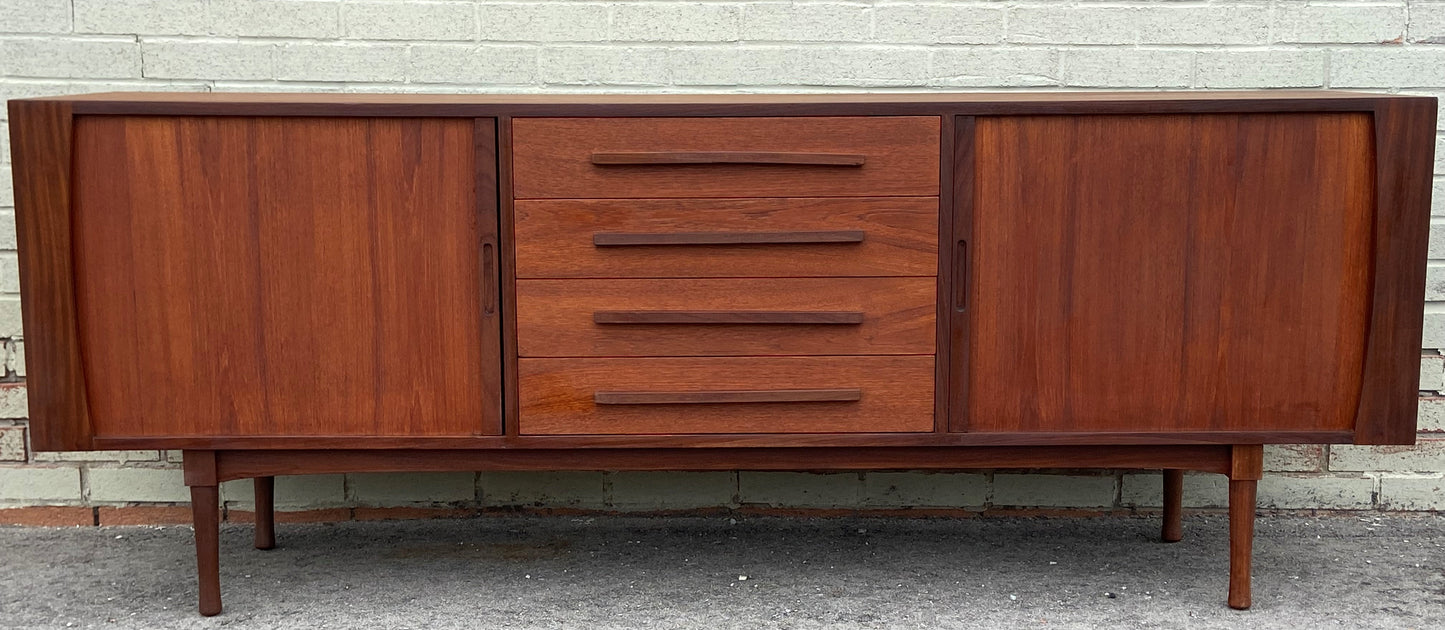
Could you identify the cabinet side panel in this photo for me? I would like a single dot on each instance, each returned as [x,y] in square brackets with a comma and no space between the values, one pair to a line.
[254,276]
[1165,273]
[40,146]
[1404,150]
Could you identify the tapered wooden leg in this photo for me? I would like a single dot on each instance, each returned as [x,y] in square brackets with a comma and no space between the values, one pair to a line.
[1173,506]
[265,512]
[1241,540]
[1246,467]
[205,517]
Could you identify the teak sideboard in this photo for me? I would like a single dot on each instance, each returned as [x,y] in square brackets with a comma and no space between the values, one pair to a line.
[310,283]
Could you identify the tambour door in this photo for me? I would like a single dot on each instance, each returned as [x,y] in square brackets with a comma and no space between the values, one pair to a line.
[1166,272]
[287,276]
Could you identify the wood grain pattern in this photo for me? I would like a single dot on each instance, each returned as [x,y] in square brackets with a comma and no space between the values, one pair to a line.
[954,277]
[1242,504]
[552,157]
[843,441]
[943,321]
[1246,462]
[728,157]
[734,440]
[1404,157]
[555,317]
[40,146]
[558,395]
[206,523]
[858,104]
[489,231]
[1172,530]
[1386,401]
[246,464]
[508,250]
[1169,273]
[298,276]
[870,98]
[202,473]
[265,510]
[559,238]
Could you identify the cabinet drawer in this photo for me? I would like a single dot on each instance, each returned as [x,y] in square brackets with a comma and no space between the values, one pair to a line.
[726,395]
[725,317]
[725,157]
[660,238]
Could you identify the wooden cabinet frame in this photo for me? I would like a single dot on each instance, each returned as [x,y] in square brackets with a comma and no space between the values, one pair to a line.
[43,144]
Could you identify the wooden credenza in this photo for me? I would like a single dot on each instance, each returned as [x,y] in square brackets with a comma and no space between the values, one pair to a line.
[288,284]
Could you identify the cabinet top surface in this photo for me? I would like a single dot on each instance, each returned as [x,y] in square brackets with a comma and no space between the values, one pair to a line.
[730,98]
[291,103]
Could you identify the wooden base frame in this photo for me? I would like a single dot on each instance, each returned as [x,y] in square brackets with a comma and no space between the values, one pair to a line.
[205,470]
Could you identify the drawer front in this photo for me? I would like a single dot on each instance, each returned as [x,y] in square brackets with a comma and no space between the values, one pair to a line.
[725,317]
[661,238]
[578,158]
[726,395]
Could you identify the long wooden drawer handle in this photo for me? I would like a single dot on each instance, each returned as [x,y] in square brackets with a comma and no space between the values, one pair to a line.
[728,317]
[625,158]
[624,239]
[728,397]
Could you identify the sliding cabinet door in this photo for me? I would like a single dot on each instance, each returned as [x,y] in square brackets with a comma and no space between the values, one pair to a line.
[287,276]
[1167,272]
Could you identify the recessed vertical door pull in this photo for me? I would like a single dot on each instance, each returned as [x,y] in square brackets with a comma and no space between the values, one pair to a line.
[960,276]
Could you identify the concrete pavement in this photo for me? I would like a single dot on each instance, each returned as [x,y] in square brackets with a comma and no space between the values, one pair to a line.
[597,572]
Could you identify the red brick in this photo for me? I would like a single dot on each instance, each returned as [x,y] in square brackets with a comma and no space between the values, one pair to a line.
[48,516]
[144,515]
[313,516]
[301,516]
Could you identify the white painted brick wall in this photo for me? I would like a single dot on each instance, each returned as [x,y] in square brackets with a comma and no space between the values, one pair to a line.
[935,490]
[15,358]
[378,489]
[12,444]
[409,20]
[1413,492]
[544,22]
[52,47]
[126,485]
[275,18]
[212,59]
[570,489]
[647,491]
[35,16]
[39,485]
[1432,415]
[291,494]
[806,22]
[1127,67]
[157,17]
[800,489]
[1427,23]
[1301,23]
[938,24]
[1075,491]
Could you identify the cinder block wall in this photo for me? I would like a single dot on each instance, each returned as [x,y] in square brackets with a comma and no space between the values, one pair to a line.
[66,46]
